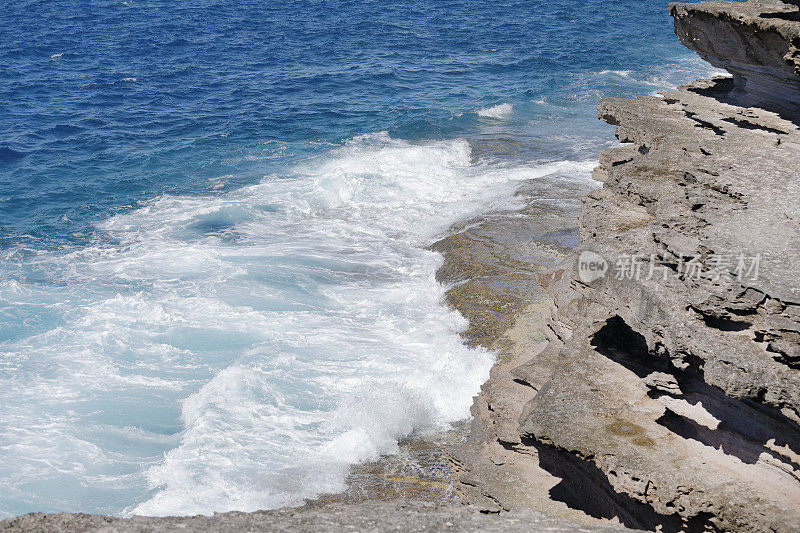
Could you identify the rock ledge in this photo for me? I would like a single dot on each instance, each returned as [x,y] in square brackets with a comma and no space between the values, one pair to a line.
[668,394]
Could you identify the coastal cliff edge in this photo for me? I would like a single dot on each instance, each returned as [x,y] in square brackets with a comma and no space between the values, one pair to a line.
[668,393]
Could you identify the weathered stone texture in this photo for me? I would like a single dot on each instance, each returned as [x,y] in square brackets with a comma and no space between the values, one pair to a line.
[758,42]
[362,517]
[669,393]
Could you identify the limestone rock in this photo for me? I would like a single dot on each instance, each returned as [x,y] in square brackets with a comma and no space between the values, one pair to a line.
[758,42]
[669,395]
[366,517]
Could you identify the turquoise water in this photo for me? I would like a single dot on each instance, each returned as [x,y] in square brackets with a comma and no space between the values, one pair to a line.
[213,291]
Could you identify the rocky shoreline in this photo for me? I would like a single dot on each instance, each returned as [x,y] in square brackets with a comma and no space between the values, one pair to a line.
[656,383]
[668,394]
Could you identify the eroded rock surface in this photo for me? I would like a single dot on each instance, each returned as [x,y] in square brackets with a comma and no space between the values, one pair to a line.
[669,392]
[758,42]
[372,516]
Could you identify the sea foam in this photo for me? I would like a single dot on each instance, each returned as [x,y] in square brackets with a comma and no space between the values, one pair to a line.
[241,350]
[499,111]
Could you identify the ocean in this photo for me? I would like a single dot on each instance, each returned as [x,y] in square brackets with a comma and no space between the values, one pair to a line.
[215,287]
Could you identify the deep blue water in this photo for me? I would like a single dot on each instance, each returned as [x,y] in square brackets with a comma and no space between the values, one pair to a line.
[212,289]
